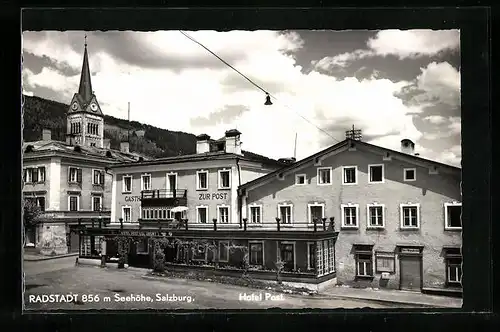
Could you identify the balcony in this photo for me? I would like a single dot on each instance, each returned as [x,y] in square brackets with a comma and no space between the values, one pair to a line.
[73,217]
[164,197]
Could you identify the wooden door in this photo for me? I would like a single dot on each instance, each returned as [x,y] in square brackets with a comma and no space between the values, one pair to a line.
[411,273]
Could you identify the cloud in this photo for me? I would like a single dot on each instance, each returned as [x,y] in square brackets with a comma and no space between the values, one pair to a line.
[447,127]
[402,44]
[435,119]
[440,81]
[212,98]
[224,116]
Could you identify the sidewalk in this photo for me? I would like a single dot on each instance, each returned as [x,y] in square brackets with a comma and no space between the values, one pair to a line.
[35,257]
[394,296]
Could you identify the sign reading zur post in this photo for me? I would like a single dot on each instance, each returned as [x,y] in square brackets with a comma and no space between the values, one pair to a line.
[212,196]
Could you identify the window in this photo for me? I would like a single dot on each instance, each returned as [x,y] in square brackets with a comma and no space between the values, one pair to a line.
[375,213]
[324,175]
[96,203]
[350,215]
[92,144]
[410,216]
[200,253]
[171,184]
[202,180]
[127,184]
[98,177]
[287,255]
[127,213]
[316,212]
[453,258]
[311,255]
[364,260]
[384,261]
[325,257]
[256,253]
[256,214]
[453,215]
[73,203]
[349,175]
[224,179]
[202,214]
[146,182]
[90,246]
[300,179]
[142,246]
[376,173]
[40,202]
[285,213]
[34,174]
[410,174]
[223,251]
[223,214]
[74,175]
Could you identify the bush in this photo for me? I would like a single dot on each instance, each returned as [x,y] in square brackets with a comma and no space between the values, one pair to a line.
[159,260]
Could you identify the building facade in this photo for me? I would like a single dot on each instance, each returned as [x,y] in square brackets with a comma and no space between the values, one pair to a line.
[398,215]
[69,181]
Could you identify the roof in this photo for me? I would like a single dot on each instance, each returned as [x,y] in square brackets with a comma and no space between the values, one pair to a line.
[344,144]
[216,155]
[89,151]
[85,89]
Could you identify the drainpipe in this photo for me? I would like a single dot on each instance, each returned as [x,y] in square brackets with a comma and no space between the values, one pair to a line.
[237,191]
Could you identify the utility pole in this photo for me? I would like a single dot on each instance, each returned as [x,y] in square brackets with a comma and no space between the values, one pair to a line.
[354,134]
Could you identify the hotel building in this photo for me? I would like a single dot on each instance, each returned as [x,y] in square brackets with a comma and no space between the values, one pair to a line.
[69,180]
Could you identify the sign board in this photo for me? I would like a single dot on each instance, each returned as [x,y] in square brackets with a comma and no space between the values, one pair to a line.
[410,250]
[213,196]
[132,198]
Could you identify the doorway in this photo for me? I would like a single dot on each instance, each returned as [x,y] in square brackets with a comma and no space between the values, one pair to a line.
[410,272]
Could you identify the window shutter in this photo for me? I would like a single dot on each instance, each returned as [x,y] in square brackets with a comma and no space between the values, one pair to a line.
[101,180]
[42,174]
[69,174]
[34,175]
[79,176]
[24,174]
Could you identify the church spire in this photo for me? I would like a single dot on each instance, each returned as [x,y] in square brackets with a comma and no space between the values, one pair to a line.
[85,89]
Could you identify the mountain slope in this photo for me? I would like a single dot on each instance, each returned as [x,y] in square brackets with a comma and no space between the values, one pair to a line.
[39,114]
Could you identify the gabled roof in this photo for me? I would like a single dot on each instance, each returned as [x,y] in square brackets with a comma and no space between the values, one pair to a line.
[215,155]
[344,145]
[109,155]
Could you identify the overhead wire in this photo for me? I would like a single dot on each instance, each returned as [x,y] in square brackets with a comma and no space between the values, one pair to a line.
[255,84]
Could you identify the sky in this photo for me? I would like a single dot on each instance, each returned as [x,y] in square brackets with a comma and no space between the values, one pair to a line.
[391,84]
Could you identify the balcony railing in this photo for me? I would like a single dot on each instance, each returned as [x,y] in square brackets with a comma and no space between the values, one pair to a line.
[319,225]
[163,193]
[164,197]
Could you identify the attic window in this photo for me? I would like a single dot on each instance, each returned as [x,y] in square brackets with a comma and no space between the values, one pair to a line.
[29,148]
[77,148]
[108,154]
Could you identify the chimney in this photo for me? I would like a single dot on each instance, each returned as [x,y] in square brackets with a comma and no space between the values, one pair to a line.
[124,147]
[407,146]
[202,143]
[107,143]
[233,143]
[46,135]
[287,161]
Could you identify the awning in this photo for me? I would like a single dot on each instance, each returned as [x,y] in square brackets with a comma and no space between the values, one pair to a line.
[179,209]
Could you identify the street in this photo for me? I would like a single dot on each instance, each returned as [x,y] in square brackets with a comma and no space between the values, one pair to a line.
[109,289]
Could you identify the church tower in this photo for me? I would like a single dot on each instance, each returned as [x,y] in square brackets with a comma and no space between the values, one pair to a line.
[85,120]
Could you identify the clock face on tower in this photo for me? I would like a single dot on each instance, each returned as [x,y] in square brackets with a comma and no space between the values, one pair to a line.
[74,106]
[93,107]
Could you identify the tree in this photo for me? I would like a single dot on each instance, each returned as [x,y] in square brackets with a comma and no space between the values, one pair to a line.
[31,215]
